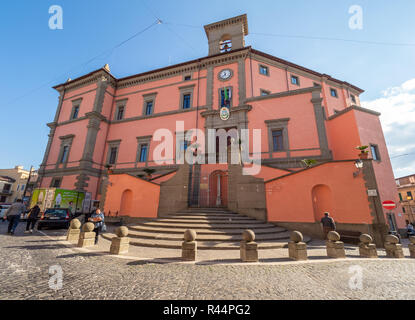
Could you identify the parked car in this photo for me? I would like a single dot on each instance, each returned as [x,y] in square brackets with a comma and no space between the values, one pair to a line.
[3,209]
[55,217]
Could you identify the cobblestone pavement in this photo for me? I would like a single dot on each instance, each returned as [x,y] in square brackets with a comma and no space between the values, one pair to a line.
[25,261]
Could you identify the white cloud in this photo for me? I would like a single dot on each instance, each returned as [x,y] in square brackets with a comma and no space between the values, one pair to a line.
[397,108]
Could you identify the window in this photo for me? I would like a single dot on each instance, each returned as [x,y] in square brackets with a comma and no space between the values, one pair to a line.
[225,97]
[265,92]
[183,145]
[353,98]
[113,155]
[375,152]
[64,156]
[120,113]
[7,187]
[263,70]
[225,45]
[143,152]
[295,80]
[400,197]
[333,92]
[56,182]
[22,187]
[409,195]
[75,112]
[187,78]
[149,108]
[3,199]
[412,179]
[277,141]
[316,84]
[186,101]
[403,209]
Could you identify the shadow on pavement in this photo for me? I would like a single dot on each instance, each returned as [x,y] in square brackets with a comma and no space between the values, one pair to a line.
[39,247]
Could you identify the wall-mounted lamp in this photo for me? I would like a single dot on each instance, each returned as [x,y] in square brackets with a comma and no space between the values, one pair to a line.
[359,166]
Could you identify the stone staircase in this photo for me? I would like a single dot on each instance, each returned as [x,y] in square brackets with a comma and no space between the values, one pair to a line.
[217,229]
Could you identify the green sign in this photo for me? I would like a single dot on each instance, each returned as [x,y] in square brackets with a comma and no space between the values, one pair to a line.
[68,199]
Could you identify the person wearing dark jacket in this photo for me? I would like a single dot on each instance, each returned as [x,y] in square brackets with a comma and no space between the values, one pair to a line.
[13,215]
[328,224]
[32,218]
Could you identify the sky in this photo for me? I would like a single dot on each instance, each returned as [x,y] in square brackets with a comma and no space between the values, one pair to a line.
[379,57]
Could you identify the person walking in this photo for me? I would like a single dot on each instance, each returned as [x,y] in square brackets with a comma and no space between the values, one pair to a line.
[13,215]
[328,224]
[97,218]
[32,218]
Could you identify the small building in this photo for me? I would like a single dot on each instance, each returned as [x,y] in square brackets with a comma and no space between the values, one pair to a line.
[13,183]
[406,192]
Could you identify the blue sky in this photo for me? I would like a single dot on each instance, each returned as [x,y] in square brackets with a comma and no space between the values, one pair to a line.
[34,58]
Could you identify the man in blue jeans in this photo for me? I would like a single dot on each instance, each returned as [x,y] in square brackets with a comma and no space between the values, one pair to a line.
[13,215]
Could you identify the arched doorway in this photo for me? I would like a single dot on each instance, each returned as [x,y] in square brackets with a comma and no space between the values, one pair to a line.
[322,200]
[126,205]
[218,189]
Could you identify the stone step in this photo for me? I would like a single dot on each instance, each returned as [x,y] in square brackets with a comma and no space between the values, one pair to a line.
[207,231]
[208,237]
[235,217]
[203,245]
[209,221]
[249,225]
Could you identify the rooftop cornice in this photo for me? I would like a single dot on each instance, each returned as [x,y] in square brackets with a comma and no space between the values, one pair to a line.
[223,23]
[354,108]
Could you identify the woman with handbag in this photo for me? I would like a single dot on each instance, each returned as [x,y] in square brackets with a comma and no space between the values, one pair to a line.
[97,218]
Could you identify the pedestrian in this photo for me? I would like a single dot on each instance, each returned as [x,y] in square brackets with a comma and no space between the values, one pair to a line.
[97,218]
[328,224]
[32,218]
[410,229]
[13,215]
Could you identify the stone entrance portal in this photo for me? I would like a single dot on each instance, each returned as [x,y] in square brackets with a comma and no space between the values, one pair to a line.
[218,189]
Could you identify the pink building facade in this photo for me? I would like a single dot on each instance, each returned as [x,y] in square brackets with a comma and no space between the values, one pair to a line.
[103,122]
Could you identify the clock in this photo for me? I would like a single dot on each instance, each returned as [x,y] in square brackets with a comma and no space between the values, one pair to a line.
[225,74]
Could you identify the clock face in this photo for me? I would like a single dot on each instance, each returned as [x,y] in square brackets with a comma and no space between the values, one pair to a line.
[225,74]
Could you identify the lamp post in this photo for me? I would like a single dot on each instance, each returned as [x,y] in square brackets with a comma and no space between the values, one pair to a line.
[359,165]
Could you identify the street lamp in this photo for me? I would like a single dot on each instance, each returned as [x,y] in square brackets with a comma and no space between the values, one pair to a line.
[359,165]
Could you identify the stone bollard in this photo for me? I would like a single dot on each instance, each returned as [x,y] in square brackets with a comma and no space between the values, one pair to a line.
[335,247]
[367,249]
[87,236]
[411,247]
[249,248]
[74,230]
[297,249]
[393,247]
[189,245]
[121,242]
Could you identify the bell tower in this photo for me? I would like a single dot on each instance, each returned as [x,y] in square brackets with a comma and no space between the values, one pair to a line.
[227,35]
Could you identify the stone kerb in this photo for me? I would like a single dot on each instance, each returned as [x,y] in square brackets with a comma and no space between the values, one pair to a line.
[189,245]
[335,247]
[74,231]
[297,249]
[367,249]
[121,243]
[249,248]
[87,236]
[393,247]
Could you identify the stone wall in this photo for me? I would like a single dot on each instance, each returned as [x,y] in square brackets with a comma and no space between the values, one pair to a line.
[246,194]
[174,192]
